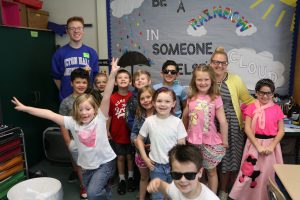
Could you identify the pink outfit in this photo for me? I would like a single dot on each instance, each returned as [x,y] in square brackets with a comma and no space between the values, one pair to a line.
[252,179]
[202,128]
[272,115]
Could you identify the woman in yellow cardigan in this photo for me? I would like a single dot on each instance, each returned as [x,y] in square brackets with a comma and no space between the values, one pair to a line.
[233,92]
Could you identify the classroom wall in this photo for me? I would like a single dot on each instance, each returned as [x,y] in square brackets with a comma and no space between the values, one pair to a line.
[93,12]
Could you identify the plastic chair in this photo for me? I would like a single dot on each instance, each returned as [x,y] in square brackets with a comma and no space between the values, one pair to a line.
[274,192]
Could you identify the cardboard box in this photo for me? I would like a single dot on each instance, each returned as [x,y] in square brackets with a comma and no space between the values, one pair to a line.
[37,18]
[23,14]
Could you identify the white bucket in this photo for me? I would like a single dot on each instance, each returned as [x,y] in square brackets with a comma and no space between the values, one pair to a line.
[43,188]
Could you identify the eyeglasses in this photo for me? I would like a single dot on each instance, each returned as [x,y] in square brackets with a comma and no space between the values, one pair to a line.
[75,28]
[188,175]
[261,93]
[216,62]
[166,71]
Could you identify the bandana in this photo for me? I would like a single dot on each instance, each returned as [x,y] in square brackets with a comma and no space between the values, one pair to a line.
[259,115]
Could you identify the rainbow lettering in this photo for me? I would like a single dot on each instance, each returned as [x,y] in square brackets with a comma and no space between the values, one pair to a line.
[226,13]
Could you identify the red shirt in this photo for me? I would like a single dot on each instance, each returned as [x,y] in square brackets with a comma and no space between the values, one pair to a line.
[118,128]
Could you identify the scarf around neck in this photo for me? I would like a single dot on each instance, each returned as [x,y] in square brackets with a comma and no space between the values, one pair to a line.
[259,115]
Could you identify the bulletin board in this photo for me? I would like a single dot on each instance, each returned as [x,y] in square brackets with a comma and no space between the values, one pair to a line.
[258,35]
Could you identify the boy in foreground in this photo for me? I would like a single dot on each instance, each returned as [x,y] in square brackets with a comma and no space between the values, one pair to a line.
[186,171]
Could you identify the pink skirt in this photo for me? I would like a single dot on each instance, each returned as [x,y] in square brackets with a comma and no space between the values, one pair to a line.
[139,161]
[255,170]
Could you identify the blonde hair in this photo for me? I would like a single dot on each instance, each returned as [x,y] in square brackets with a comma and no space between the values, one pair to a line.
[219,50]
[98,75]
[79,100]
[101,74]
[140,109]
[213,91]
[138,73]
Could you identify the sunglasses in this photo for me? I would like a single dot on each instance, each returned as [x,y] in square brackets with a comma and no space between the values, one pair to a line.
[166,71]
[188,175]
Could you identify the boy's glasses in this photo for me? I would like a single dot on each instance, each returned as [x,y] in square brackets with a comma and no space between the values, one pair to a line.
[166,71]
[261,93]
[188,175]
[75,28]
[217,63]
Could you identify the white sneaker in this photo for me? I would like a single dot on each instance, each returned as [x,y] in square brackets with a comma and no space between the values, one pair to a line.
[223,195]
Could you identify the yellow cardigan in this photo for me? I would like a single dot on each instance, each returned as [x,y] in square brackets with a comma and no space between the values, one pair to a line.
[239,94]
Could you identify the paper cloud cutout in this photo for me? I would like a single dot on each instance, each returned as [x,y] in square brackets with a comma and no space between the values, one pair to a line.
[247,32]
[124,7]
[252,66]
[197,33]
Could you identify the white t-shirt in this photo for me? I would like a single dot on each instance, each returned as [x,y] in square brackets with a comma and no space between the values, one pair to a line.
[206,193]
[92,142]
[163,134]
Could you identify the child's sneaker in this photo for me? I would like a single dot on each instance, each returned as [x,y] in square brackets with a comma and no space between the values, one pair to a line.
[83,194]
[130,185]
[122,187]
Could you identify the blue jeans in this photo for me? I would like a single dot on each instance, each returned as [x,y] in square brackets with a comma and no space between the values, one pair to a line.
[96,181]
[161,171]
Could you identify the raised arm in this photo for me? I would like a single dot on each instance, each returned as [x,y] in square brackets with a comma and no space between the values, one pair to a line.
[109,87]
[42,113]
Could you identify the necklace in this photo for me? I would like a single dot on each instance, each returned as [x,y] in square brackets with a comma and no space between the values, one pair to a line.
[222,80]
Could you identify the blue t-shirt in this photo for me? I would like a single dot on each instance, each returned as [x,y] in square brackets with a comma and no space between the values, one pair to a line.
[180,96]
[66,59]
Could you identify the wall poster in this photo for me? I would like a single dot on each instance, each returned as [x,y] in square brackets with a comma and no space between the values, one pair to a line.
[257,35]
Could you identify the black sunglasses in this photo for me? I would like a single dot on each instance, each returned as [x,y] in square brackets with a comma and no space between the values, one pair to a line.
[166,71]
[188,175]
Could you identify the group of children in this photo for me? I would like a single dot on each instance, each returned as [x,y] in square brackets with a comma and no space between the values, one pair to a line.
[174,134]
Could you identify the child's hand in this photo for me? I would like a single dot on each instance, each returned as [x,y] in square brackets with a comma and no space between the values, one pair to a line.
[153,185]
[269,150]
[18,105]
[225,144]
[150,164]
[147,147]
[114,65]
[260,150]
[109,135]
